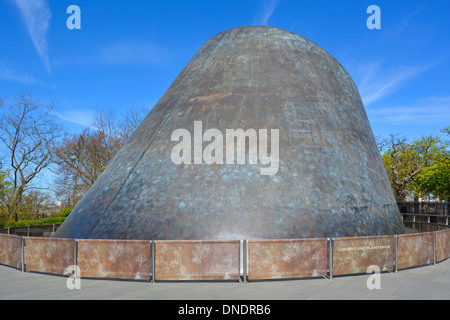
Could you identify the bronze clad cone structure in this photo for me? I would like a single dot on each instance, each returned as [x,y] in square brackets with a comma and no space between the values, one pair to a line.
[313,170]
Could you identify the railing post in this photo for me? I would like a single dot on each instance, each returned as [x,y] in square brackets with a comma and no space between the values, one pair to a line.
[23,253]
[396,252]
[434,248]
[330,256]
[75,255]
[153,259]
[244,262]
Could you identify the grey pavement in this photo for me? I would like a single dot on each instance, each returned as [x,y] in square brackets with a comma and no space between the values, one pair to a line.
[426,282]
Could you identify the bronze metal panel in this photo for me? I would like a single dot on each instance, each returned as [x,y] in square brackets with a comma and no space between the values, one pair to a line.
[11,250]
[277,259]
[355,254]
[442,244]
[114,259]
[49,255]
[197,260]
[415,249]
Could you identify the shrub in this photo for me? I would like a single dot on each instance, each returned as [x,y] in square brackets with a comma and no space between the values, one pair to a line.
[23,223]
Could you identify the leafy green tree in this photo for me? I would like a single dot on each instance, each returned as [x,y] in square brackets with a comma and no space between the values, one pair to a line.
[435,177]
[446,130]
[405,161]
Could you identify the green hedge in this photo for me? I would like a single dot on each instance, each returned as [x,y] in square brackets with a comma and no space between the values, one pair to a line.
[24,223]
[56,219]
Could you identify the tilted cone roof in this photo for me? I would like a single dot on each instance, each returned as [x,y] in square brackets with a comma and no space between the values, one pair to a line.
[330,179]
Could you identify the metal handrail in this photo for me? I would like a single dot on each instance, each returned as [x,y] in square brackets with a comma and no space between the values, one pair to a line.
[439,217]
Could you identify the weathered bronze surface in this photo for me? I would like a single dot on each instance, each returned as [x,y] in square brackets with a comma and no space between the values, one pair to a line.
[415,249]
[197,260]
[442,244]
[277,259]
[355,254]
[11,250]
[49,255]
[330,183]
[114,259]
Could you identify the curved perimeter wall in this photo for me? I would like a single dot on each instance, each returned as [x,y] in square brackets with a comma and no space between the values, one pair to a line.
[223,260]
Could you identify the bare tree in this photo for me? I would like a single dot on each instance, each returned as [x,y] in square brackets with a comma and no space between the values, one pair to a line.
[4,188]
[108,132]
[82,157]
[118,131]
[27,132]
[131,121]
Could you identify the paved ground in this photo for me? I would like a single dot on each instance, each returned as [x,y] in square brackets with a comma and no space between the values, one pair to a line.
[429,282]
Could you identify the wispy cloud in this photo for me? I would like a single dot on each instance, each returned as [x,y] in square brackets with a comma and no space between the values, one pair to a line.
[134,52]
[36,15]
[434,110]
[268,8]
[405,22]
[11,73]
[81,117]
[376,83]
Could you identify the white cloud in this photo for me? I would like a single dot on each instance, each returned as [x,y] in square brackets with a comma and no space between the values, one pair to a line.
[376,83]
[10,73]
[434,110]
[36,16]
[268,9]
[81,117]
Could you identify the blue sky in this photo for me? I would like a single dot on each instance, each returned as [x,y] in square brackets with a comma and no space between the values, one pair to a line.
[127,53]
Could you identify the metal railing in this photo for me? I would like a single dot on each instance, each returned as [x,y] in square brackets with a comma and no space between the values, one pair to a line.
[427,218]
[425,222]
[44,230]
[424,207]
[243,260]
